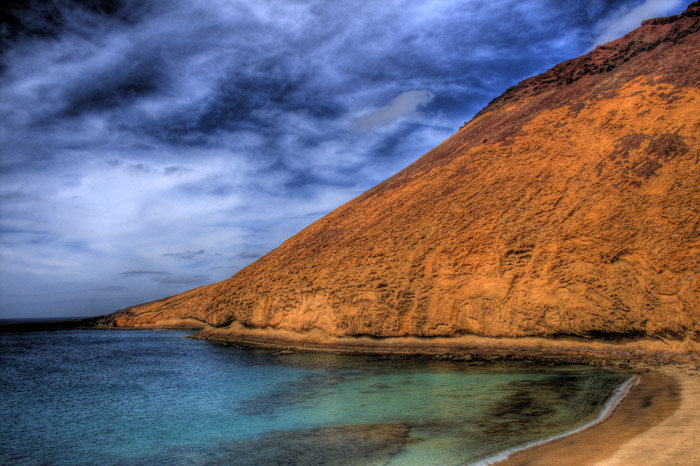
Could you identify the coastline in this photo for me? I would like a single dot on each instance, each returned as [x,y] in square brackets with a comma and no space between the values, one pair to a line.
[666,396]
[612,404]
[623,353]
[653,422]
[674,440]
[616,353]
[656,418]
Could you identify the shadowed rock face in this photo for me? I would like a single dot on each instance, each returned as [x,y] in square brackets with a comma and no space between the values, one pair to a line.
[569,206]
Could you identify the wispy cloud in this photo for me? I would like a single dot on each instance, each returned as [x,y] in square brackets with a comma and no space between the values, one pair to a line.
[184,254]
[188,280]
[164,278]
[140,273]
[402,106]
[248,255]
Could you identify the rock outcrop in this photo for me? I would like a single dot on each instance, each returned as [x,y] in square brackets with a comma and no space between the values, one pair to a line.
[567,210]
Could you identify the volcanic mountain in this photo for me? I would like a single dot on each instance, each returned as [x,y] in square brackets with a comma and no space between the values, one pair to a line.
[564,217]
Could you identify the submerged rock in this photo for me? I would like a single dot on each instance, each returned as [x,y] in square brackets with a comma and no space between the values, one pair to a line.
[337,445]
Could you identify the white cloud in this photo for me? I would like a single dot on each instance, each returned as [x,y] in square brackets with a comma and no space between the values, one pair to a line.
[404,105]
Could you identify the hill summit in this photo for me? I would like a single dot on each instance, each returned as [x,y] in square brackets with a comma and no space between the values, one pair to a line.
[564,217]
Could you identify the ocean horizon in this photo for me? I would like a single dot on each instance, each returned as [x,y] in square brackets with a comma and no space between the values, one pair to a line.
[138,397]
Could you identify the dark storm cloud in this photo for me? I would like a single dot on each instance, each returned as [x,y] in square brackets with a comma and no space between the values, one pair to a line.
[131,128]
[187,74]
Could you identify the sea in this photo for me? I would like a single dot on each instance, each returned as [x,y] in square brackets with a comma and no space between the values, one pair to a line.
[159,398]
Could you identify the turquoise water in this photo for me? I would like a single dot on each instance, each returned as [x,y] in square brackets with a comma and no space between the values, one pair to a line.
[144,397]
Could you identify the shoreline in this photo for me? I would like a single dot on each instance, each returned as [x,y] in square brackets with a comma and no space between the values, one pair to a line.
[673,440]
[653,422]
[657,398]
[617,398]
[623,353]
[619,353]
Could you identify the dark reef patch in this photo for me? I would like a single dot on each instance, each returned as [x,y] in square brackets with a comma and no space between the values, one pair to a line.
[336,445]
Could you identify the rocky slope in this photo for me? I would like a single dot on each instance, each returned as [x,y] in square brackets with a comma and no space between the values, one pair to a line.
[566,212]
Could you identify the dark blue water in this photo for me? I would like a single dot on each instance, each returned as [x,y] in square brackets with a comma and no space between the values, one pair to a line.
[144,397]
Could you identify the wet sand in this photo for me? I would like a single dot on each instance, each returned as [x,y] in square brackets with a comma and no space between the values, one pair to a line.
[658,423]
[675,440]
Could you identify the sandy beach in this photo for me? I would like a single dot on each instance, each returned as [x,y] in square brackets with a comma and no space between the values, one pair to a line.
[658,423]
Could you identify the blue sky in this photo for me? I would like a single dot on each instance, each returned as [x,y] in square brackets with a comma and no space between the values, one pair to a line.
[150,147]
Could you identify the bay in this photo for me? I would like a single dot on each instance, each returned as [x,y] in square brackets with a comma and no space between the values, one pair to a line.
[157,397]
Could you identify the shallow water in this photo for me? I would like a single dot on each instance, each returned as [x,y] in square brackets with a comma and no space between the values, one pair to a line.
[145,397]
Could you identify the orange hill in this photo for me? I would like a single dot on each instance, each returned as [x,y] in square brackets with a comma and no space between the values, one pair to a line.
[565,216]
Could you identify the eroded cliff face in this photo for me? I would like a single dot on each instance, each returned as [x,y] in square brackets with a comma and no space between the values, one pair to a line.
[570,206]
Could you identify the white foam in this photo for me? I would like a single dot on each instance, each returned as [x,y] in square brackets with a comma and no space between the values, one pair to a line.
[618,395]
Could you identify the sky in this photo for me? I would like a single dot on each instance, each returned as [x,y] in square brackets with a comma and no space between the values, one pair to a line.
[147,148]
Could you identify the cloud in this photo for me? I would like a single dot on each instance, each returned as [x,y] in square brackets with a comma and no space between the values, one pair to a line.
[165,278]
[628,17]
[118,288]
[176,170]
[189,280]
[141,168]
[403,105]
[248,255]
[139,273]
[185,254]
